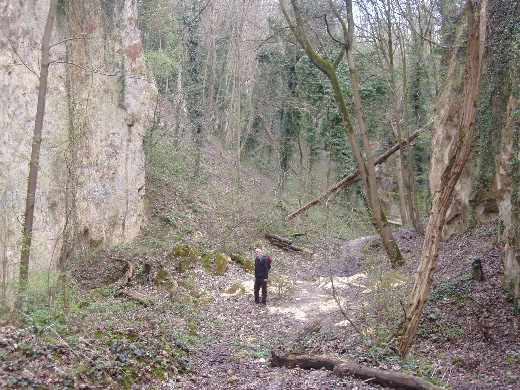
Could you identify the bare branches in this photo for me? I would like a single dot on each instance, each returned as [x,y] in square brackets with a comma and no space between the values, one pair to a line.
[16,53]
[66,40]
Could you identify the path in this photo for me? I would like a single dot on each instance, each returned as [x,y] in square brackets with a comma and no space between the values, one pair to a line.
[239,357]
[303,301]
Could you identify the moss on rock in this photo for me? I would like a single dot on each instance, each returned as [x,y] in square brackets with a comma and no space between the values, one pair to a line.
[235,288]
[221,263]
[160,277]
[249,265]
[239,259]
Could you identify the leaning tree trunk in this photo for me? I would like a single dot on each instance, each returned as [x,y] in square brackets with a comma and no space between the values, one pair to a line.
[34,164]
[459,152]
[354,177]
[387,238]
[365,163]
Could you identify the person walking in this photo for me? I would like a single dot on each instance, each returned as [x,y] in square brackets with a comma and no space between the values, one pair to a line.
[261,276]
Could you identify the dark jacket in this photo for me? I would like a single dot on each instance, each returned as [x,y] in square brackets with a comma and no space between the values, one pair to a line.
[261,267]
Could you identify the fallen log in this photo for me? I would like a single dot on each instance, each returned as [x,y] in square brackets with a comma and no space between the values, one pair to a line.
[344,367]
[137,297]
[284,243]
[354,177]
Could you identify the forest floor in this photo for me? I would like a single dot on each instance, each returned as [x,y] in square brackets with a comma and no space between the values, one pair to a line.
[177,323]
[202,335]
[469,337]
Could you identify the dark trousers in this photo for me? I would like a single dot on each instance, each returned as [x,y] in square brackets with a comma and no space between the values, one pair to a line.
[260,282]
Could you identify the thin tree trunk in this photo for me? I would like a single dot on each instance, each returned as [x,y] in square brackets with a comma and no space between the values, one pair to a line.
[413,206]
[459,152]
[387,238]
[402,178]
[365,165]
[210,99]
[34,164]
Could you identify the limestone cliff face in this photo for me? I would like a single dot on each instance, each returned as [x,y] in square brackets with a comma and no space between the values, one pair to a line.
[489,187]
[91,181]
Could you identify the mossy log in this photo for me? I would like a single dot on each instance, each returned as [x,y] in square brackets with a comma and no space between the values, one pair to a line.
[285,243]
[344,367]
[136,297]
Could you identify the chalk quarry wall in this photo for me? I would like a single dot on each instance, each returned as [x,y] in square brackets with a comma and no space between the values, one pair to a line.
[489,187]
[91,180]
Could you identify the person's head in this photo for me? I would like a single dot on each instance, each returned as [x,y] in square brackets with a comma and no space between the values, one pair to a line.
[258,252]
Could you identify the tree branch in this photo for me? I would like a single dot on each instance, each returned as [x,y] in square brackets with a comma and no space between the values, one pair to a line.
[16,53]
[355,176]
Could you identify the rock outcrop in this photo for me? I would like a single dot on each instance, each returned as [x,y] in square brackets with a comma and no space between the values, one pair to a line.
[489,187]
[91,180]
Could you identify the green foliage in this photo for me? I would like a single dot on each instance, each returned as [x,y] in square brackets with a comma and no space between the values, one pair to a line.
[458,288]
[514,358]
[435,324]
[160,41]
[162,66]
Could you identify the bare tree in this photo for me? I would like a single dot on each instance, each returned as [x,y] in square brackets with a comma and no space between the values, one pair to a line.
[459,152]
[363,156]
[35,152]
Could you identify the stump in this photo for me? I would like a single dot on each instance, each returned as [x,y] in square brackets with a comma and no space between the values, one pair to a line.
[476,270]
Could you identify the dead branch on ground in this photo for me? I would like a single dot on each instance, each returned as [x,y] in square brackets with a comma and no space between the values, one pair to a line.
[344,367]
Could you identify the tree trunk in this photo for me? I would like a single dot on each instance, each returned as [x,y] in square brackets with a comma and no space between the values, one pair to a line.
[210,98]
[34,164]
[387,238]
[459,152]
[344,367]
[364,164]
[402,178]
[413,206]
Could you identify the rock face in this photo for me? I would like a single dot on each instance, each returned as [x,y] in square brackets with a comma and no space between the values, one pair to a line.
[91,178]
[489,187]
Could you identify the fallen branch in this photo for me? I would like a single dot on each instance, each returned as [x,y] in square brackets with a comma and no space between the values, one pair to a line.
[344,367]
[285,243]
[342,309]
[354,177]
[137,297]
[311,328]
